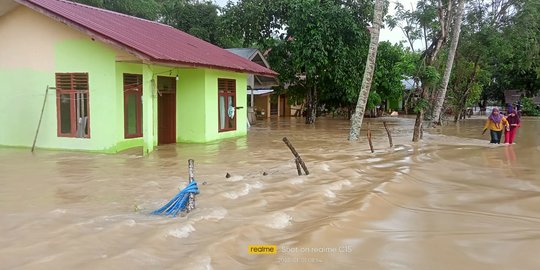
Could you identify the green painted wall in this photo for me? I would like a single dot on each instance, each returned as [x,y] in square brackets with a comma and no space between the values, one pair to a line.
[190,102]
[22,93]
[21,111]
[211,97]
[197,103]
[80,56]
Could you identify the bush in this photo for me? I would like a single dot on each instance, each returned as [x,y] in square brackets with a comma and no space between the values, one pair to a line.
[528,107]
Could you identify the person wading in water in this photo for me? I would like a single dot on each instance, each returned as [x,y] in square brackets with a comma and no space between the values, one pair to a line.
[514,123]
[496,122]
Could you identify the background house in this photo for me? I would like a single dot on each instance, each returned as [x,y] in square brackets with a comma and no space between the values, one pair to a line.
[513,96]
[262,97]
[120,81]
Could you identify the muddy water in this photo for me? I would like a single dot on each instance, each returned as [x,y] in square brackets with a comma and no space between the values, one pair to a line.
[450,202]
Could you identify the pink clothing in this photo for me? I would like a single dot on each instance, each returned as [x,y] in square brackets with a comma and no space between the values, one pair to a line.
[509,136]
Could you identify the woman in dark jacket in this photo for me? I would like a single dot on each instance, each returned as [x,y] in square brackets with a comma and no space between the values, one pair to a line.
[514,122]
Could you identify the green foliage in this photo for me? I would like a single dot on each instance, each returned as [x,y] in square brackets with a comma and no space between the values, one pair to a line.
[321,48]
[429,76]
[255,23]
[390,68]
[466,84]
[200,19]
[501,37]
[146,9]
[474,95]
[374,99]
[505,37]
[529,108]
[421,105]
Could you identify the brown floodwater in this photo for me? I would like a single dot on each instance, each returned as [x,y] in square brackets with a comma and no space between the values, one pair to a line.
[450,202]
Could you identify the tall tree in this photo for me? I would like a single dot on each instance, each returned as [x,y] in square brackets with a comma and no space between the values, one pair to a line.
[502,38]
[316,54]
[356,121]
[441,93]
[392,65]
[429,74]
[198,18]
[467,82]
[256,22]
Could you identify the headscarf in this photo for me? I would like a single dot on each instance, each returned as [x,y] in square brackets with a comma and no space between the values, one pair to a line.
[513,119]
[495,118]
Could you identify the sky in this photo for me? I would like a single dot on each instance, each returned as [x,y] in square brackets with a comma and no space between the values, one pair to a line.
[393,36]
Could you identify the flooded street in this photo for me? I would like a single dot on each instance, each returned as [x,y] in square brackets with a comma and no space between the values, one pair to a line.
[450,202]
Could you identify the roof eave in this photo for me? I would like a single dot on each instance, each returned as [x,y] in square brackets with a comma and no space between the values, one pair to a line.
[272,73]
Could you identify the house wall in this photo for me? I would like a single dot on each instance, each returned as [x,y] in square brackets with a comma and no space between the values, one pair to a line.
[33,49]
[196,103]
[262,102]
[191,101]
[211,109]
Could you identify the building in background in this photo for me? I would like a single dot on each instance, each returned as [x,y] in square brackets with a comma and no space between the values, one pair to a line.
[263,101]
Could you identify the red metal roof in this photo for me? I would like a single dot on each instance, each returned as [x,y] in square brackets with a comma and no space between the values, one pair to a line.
[149,40]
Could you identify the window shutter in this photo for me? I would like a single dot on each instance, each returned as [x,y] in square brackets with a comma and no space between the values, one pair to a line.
[132,81]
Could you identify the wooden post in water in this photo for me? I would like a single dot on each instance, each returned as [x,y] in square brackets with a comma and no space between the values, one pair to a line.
[191,203]
[369,138]
[298,166]
[389,135]
[296,155]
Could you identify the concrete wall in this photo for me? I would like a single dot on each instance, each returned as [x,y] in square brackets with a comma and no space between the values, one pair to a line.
[32,50]
[211,109]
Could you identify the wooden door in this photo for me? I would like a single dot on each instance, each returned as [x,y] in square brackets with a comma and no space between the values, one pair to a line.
[166,110]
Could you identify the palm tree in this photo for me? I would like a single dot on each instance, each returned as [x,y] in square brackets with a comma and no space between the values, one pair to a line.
[356,120]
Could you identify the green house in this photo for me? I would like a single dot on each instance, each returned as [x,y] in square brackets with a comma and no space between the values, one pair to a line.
[115,81]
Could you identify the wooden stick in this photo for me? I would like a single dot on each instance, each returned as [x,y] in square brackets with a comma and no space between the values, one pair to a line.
[298,166]
[389,135]
[296,155]
[40,117]
[191,203]
[369,138]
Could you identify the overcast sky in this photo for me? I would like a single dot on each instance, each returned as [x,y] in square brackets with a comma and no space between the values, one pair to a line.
[393,36]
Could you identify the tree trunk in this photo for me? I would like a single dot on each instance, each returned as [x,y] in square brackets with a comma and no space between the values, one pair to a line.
[419,122]
[429,56]
[311,110]
[441,93]
[418,125]
[356,121]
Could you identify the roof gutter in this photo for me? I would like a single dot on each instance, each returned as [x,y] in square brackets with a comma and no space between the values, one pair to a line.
[271,73]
